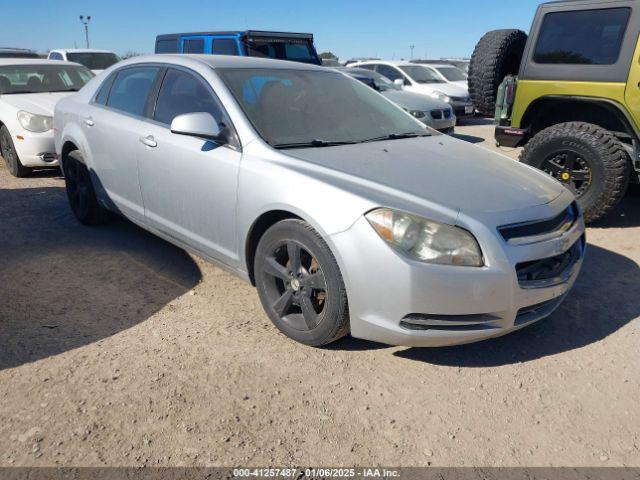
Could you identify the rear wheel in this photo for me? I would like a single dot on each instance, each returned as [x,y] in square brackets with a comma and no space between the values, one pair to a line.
[80,192]
[300,285]
[10,155]
[587,159]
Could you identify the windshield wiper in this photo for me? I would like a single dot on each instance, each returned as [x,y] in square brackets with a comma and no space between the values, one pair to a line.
[72,89]
[396,136]
[316,143]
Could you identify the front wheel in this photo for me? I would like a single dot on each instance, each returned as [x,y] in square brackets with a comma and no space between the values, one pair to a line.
[587,159]
[8,151]
[300,285]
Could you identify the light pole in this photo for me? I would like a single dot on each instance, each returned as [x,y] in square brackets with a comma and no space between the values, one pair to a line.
[85,21]
[412,47]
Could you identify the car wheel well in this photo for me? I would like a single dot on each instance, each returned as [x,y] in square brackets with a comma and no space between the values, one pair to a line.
[67,148]
[548,111]
[257,230]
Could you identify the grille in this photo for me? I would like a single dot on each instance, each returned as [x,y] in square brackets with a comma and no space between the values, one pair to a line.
[422,322]
[556,225]
[537,311]
[549,271]
[447,113]
[437,114]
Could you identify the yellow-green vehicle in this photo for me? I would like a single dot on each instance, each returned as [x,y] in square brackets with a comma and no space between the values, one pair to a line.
[570,94]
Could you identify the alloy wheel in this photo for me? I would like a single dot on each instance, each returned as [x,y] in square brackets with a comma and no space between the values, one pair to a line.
[297,289]
[571,169]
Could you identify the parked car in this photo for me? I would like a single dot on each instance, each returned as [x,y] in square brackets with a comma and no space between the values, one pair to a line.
[330,62]
[94,60]
[449,74]
[574,103]
[17,53]
[297,47]
[342,209]
[419,79]
[461,63]
[432,112]
[29,89]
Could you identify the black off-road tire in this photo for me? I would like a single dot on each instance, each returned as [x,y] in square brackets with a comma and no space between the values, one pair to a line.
[603,152]
[332,322]
[497,54]
[80,192]
[8,151]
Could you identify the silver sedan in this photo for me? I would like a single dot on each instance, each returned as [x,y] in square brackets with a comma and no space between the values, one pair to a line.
[343,210]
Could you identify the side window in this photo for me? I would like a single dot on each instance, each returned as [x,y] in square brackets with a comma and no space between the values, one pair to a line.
[224,46]
[168,45]
[103,93]
[55,56]
[389,72]
[584,37]
[182,93]
[367,67]
[194,45]
[131,88]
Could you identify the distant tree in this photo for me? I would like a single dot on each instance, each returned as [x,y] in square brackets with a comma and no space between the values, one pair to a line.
[130,54]
[328,55]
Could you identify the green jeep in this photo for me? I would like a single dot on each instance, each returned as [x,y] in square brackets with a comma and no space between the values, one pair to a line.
[570,94]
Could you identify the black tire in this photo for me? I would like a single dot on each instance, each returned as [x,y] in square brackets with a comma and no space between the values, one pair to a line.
[588,159]
[8,151]
[80,192]
[497,54]
[308,303]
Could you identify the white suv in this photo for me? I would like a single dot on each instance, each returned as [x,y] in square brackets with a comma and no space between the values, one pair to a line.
[421,79]
[94,60]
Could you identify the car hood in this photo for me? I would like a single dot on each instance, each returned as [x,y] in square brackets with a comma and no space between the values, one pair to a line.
[414,101]
[37,103]
[450,89]
[440,169]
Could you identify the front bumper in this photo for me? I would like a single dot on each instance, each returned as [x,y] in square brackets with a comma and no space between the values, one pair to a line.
[463,108]
[36,149]
[397,301]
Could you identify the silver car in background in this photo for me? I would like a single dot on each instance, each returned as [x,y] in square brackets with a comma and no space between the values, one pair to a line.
[343,210]
[432,112]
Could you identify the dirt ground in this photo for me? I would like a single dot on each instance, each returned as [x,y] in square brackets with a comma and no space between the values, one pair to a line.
[117,348]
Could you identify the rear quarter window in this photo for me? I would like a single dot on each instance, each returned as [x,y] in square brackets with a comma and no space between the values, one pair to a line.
[583,37]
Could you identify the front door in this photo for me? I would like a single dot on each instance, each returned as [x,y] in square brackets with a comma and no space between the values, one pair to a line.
[189,184]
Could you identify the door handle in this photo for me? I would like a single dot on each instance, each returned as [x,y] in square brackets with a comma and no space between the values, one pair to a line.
[149,141]
[89,122]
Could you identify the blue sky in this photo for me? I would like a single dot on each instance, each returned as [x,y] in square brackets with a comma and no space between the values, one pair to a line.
[348,28]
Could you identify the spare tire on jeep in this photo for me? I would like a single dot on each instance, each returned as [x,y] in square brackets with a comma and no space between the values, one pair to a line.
[497,54]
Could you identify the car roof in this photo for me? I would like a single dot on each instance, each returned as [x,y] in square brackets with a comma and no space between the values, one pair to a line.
[33,61]
[224,61]
[80,50]
[388,62]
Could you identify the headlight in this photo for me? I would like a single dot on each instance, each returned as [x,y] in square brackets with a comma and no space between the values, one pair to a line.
[417,113]
[426,240]
[35,123]
[441,96]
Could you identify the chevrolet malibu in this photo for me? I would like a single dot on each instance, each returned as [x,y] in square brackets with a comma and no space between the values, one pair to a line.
[29,89]
[344,211]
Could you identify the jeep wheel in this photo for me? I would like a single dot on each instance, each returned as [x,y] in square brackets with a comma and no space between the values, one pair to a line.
[587,159]
[496,55]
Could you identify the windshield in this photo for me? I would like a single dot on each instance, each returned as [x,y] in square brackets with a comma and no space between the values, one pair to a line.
[18,54]
[421,74]
[453,74]
[313,107]
[94,60]
[283,49]
[42,78]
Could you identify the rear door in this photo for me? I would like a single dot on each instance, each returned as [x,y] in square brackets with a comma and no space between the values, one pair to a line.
[112,125]
[189,184]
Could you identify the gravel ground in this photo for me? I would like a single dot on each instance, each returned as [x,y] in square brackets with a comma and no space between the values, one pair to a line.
[117,348]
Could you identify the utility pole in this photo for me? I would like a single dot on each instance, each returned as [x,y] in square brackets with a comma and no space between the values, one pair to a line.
[412,47]
[85,21]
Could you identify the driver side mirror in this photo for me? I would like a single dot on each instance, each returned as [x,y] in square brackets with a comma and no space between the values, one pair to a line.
[399,82]
[199,124]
